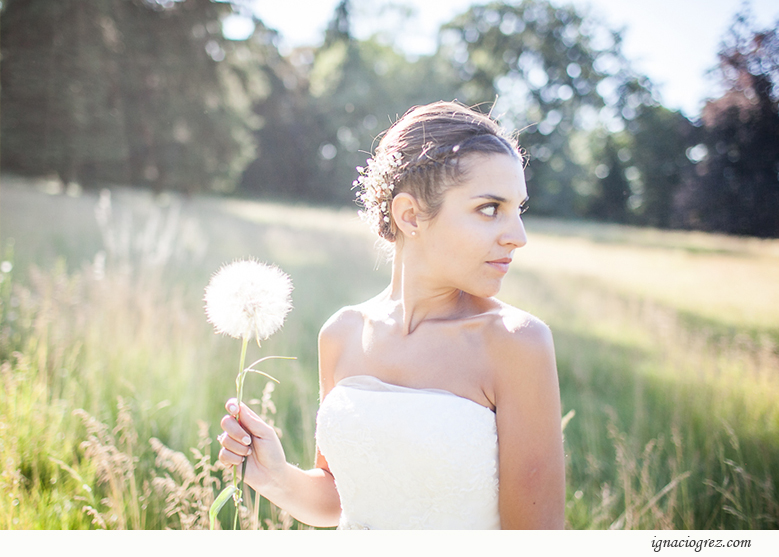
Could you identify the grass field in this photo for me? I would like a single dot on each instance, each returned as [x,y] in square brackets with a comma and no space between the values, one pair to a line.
[113,382]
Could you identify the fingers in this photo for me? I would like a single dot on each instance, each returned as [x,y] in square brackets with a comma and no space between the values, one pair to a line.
[240,428]
[233,429]
[230,458]
[249,421]
[232,406]
[234,446]
[232,452]
[235,440]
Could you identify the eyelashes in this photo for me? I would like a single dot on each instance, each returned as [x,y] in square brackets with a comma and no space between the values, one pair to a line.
[491,209]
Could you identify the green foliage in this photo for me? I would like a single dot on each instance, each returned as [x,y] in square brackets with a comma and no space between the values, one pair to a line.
[339,30]
[735,186]
[122,91]
[610,201]
[555,74]
[327,106]
[150,93]
[658,142]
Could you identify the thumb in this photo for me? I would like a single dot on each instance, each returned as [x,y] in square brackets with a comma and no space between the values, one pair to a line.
[252,423]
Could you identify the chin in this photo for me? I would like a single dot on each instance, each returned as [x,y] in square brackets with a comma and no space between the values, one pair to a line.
[485,290]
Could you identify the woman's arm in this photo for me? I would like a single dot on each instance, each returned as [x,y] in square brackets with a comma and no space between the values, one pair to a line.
[527,400]
[308,495]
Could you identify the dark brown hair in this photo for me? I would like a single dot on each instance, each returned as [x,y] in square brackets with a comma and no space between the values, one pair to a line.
[428,143]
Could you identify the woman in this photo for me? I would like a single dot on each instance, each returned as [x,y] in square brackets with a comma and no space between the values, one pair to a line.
[440,405]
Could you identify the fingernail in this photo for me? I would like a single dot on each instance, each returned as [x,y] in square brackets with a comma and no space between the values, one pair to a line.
[250,452]
[247,440]
[232,408]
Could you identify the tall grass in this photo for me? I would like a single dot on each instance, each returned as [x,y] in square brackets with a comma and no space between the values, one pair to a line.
[113,383]
[676,415]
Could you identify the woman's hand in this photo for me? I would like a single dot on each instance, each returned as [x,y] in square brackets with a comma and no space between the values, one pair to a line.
[246,435]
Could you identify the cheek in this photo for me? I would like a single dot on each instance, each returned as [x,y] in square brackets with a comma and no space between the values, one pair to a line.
[461,245]
[475,236]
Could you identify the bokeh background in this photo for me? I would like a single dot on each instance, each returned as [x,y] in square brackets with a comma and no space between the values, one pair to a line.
[144,143]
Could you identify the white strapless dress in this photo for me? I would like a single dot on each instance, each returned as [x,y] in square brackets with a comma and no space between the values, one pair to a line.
[408,458]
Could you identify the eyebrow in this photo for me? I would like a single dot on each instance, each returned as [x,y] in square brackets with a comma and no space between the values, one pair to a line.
[498,198]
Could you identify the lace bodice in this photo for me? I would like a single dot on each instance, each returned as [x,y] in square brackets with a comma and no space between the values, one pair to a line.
[408,458]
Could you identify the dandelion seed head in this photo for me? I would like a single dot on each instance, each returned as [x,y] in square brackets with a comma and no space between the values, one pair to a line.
[248,299]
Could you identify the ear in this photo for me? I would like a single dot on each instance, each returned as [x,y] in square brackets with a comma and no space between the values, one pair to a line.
[406,213]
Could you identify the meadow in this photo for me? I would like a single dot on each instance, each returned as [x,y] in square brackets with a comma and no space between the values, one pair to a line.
[113,383]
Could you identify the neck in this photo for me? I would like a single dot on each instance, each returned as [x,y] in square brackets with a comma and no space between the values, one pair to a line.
[417,297]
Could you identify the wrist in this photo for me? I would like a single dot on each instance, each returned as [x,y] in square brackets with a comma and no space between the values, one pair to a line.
[279,482]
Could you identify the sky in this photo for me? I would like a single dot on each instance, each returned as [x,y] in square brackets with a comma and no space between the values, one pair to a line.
[673,42]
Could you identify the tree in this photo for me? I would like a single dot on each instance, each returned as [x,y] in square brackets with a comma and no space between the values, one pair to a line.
[613,187]
[326,108]
[659,140]
[735,186]
[338,30]
[288,135]
[59,109]
[556,75]
[127,91]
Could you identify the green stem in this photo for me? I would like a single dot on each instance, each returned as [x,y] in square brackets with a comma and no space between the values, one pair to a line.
[233,490]
[239,379]
[257,510]
[239,391]
[241,372]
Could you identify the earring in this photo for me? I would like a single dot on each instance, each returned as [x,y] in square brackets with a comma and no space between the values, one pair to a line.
[414,233]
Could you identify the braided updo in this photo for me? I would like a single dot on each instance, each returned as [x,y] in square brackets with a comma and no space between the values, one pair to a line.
[420,155]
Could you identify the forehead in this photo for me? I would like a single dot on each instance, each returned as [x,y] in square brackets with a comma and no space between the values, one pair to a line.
[492,174]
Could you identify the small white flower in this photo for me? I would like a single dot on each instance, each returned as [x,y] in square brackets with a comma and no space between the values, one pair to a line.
[248,298]
[375,186]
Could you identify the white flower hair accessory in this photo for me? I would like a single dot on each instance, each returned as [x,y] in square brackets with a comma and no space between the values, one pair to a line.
[375,186]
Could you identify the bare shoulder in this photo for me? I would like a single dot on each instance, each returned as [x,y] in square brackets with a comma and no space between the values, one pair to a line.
[349,321]
[522,351]
[341,324]
[341,329]
[517,330]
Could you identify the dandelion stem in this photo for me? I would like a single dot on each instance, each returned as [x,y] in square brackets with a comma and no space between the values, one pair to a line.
[237,499]
[239,392]
[256,510]
[241,371]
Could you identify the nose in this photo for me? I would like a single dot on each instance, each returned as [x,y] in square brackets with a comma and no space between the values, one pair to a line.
[515,234]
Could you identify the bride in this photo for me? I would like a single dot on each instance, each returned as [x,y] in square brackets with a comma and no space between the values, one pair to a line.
[440,405]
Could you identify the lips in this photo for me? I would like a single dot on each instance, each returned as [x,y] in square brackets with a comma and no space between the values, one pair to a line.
[501,265]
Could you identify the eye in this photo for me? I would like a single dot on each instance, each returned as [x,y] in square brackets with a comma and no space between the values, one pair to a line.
[489,210]
[523,208]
